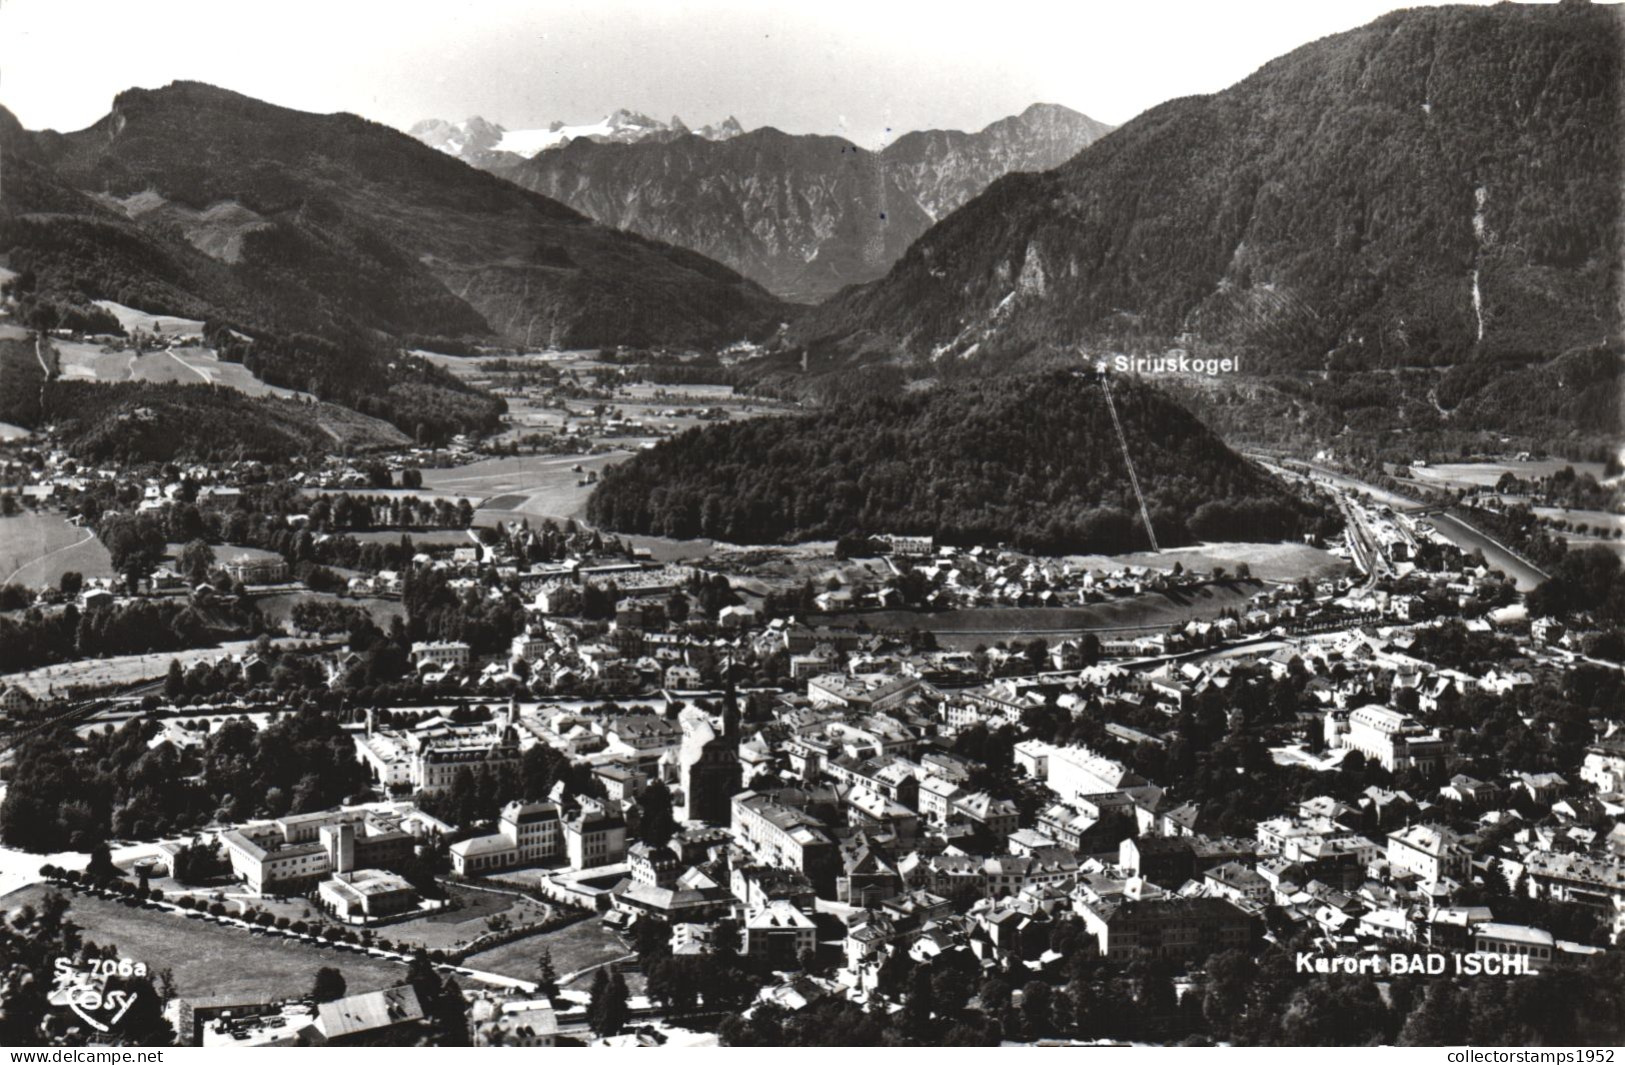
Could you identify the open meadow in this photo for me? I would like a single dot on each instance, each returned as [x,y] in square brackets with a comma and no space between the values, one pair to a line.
[36,549]
[161,324]
[452,929]
[522,486]
[207,959]
[190,364]
[1486,474]
[963,630]
[575,947]
[1268,562]
[119,671]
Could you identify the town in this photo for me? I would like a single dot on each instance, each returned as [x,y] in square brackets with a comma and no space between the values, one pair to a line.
[747,785]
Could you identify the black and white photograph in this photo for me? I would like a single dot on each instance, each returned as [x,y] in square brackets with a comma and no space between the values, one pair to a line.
[751,523]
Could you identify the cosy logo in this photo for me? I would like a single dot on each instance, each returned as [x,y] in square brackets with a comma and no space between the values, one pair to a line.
[82,988]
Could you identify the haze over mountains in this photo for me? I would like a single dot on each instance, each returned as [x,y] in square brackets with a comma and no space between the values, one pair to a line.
[801,214]
[1440,187]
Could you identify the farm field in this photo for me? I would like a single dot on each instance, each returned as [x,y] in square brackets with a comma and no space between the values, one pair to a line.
[511,488]
[168,324]
[121,670]
[1486,474]
[1269,562]
[188,364]
[36,549]
[208,959]
[964,629]
[420,537]
[657,410]
[1600,521]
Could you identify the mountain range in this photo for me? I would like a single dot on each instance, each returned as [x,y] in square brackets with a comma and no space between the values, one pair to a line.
[1438,189]
[489,145]
[200,201]
[1411,227]
[801,214]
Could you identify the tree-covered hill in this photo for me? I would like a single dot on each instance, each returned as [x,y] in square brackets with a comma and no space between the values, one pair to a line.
[1027,460]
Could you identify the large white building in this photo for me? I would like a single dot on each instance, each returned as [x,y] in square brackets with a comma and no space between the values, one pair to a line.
[428,756]
[296,852]
[529,646]
[777,934]
[1074,772]
[440,653]
[256,570]
[1389,737]
[1431,852]
[594,837]
[528,833]
[1604,765]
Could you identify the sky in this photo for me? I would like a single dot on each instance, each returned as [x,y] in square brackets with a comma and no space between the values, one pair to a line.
[869,70]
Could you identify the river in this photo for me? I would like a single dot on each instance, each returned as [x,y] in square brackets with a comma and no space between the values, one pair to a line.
[1458,532]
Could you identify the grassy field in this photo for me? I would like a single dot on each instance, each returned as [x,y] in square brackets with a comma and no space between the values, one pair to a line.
[1486,474]
[659,409]
[451,929]
[1269,562]
[194,363]
[420,537]
[964,629]
[186,364]
[36,549]
[575,947]
[278,608]
[191,364]
[533,486]
[208,959]
[764,569]
[121,670]
[166,324]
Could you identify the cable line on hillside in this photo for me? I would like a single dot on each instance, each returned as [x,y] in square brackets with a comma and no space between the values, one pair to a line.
[1122,440]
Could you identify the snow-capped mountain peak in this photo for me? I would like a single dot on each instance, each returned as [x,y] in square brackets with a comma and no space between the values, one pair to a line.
[472,139]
